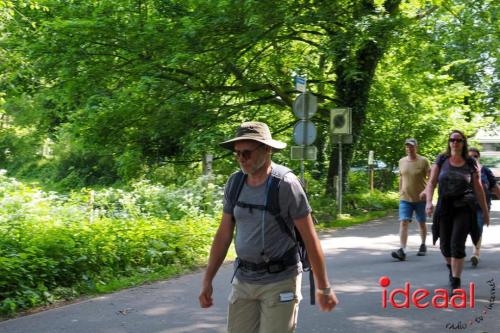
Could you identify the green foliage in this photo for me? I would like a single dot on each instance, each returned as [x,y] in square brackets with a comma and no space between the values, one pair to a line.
[375,200]
[383,180]
[357,199]
[127,87]
[431,83]
[123,89]
[54,246]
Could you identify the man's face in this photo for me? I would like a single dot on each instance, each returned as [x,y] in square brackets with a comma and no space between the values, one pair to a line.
[474,155]
[410,149]
[251,155]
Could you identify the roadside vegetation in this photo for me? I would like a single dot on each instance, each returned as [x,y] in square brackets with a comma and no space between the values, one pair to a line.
[56,247]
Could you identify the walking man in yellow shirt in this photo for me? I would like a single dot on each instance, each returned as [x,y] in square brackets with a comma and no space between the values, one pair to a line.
[414,172]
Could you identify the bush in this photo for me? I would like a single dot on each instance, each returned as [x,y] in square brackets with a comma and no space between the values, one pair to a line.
[53,245]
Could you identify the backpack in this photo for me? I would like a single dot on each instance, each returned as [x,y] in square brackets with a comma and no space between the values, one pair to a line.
[278,172]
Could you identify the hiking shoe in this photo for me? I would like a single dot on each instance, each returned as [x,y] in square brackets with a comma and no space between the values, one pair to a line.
[399,254]
[474,260]
[455,284]
[422,251]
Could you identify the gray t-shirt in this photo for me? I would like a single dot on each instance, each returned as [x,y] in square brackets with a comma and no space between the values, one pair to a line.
[258,231]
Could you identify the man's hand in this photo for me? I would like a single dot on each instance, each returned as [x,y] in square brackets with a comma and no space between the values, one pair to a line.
[327,302]
[205,297]
[422,195]
[429,208]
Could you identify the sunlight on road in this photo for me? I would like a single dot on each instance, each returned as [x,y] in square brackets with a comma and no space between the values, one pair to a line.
[368,243]
[376,245]
[495,205]
[382,321]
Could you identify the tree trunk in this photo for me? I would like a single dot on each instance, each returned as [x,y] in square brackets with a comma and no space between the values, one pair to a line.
[353,89]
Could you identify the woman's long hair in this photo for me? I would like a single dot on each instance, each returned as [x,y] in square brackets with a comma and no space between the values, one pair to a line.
[465,147]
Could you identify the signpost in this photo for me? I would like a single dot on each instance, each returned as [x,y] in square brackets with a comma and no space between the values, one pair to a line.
[371,162]
[341,128]
[304,152]
[300,83]
[304,132]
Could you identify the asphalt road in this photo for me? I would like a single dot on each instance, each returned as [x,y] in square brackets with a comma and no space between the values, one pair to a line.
[357,258]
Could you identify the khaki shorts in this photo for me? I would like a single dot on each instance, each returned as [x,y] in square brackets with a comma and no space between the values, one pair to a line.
[267,308]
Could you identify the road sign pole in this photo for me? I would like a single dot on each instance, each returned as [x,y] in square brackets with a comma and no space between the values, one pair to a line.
[371,162]
[305,107]
[339,187]
[371,178]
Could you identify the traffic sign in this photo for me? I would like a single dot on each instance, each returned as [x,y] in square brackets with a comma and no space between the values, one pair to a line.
[299,131]
[305,102]
[300,83]
[340,121]
[304,153]
[346,138]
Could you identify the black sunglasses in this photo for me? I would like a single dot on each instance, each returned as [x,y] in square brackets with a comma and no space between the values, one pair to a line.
[456,140]
[247,153]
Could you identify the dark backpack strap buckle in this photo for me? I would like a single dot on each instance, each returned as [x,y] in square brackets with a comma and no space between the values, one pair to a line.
[274,267]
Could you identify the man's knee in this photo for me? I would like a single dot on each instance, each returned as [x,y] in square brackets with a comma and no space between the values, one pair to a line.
[404,224]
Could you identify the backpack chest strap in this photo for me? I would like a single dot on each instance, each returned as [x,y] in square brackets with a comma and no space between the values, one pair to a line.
[290,258]
[250,206]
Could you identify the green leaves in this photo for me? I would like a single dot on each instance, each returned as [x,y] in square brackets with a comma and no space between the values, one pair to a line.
[54,246]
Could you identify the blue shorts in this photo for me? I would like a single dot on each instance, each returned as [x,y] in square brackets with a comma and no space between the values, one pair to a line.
[407,208]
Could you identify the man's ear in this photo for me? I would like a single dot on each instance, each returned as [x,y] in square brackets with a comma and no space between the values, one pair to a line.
[268,149]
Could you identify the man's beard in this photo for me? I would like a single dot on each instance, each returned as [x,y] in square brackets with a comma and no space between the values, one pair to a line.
[255,167]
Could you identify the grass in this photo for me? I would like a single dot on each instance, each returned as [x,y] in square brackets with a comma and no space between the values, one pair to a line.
[347,220]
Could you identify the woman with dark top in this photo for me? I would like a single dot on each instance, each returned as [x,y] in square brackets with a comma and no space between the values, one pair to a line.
[455,216]
[489,186]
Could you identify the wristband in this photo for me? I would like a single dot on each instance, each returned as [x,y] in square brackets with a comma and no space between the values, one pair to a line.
[324,291]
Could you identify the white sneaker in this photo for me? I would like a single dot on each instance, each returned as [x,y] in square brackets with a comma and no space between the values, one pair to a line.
[474,260]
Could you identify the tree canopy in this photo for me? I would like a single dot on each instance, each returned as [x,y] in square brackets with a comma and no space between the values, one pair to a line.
[121,87]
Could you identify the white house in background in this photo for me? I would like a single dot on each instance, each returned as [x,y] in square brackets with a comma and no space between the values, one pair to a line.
[489,139]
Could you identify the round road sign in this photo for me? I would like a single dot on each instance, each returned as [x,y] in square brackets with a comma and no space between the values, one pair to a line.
[305,102]
[298,133]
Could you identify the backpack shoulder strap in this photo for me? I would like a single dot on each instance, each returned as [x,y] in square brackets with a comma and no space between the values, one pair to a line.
[237,183]
[278,172]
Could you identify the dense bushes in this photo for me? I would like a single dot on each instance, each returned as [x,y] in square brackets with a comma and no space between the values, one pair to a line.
[52,245]
[55,246]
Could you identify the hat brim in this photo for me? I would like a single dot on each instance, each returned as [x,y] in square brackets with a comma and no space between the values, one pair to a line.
[276,145]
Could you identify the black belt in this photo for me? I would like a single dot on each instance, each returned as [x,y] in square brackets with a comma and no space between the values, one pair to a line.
[290,258]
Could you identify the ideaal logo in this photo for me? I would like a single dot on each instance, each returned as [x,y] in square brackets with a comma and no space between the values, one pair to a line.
[440,297]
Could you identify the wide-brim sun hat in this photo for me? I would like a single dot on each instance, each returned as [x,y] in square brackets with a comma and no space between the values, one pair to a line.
[256,131]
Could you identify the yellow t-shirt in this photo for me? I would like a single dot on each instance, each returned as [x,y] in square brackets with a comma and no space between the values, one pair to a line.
[413,177]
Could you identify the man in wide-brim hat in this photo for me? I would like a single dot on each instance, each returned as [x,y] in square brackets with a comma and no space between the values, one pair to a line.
[264,298]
